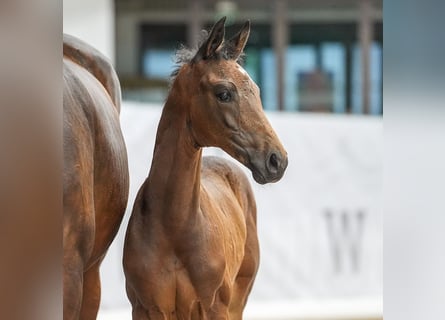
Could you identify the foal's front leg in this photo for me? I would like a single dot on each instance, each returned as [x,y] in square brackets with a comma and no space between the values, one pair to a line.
[139,313]
[220,309]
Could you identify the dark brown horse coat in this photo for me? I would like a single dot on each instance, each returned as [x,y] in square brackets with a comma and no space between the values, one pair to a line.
[191,249]
[96,179]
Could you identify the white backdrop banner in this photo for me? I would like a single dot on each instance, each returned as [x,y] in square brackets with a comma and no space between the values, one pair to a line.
[320,227]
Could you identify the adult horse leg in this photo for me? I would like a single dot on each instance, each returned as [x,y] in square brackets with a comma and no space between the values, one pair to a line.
[73,274]
[91,292]
[76,250]
[78,230]
[72,291]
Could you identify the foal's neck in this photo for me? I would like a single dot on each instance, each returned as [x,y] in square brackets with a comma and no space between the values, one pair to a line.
[174,178]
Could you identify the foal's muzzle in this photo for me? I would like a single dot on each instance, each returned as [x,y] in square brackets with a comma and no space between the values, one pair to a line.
[269,169]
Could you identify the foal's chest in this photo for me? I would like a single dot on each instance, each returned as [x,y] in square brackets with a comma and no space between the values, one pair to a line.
[213,257]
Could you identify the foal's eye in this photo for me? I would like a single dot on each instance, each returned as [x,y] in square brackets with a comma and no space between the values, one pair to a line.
[224,96]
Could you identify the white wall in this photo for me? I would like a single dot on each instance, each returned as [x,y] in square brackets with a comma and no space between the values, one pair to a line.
[93,22]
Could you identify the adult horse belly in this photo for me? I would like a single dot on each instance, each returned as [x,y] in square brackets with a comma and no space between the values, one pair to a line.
[111,181]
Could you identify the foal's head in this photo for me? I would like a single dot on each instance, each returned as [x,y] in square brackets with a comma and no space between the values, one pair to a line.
[225,109]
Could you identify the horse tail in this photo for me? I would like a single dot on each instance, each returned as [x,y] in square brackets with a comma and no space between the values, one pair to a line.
[96,63]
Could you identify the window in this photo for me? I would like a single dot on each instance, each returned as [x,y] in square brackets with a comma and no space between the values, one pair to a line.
[158,45]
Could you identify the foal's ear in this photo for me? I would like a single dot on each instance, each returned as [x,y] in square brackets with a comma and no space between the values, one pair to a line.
[235,46]
[216,37]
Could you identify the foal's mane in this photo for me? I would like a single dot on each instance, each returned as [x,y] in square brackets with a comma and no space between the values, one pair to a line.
[185,55]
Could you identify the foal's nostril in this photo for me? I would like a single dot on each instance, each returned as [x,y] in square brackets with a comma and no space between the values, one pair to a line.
[273,163]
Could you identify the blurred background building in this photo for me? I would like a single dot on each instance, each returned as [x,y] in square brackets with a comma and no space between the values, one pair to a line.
[306,55]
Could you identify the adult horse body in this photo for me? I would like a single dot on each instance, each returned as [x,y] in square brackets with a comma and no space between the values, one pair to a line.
[191,249]
[96,178]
